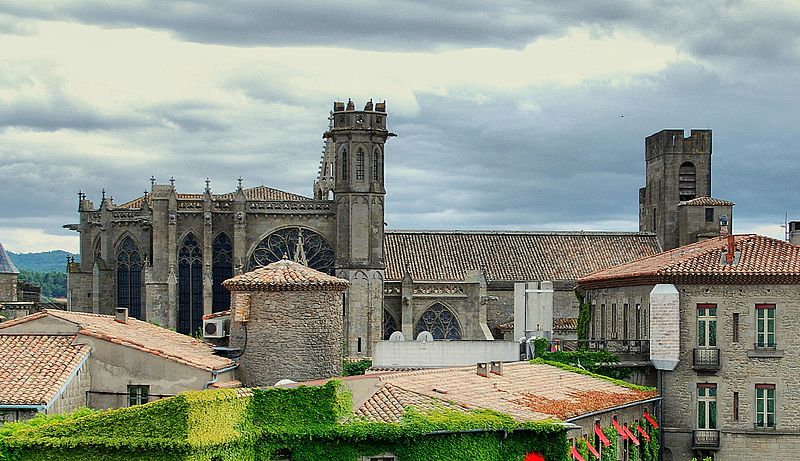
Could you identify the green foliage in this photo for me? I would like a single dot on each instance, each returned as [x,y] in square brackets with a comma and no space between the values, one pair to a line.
[53,284]
[573,369]
[539,346]
[609,453]
[584,317]
[356,368]
[47,261]
[599,362]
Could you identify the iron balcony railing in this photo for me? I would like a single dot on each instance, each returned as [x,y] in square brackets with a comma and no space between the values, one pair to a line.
[704,358]
[705,439]
[620,346]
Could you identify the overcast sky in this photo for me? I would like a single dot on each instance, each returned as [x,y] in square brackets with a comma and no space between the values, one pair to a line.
[510,114]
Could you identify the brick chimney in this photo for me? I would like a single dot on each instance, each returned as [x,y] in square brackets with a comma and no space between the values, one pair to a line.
[121,315]
[729,253]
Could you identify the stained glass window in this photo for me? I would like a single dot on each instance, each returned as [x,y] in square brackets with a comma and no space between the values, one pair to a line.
[440,322]
[389,324]
[283,243]
[190,286]
[222,269]
[129,277]
[360,165]
[344,164]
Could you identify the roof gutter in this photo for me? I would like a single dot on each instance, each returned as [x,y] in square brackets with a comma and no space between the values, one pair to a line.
[505,432]
[215,374]
[23,407]
[619,407]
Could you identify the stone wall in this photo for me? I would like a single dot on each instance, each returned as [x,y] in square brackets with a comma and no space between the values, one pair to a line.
[76,393]
[10,416]
[8,287]
[293,335]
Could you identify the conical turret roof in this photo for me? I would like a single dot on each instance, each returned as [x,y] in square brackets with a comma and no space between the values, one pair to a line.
[285,275]
[6,265]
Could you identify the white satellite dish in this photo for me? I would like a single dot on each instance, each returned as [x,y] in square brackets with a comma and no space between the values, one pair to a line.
[424,336]
[397,336]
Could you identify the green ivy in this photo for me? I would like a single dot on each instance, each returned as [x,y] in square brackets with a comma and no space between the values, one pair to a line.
[539,346]
[599,362]
[573,369]
[584,317]
[356,368]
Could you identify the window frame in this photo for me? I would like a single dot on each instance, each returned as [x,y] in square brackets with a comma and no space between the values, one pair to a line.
[707,404]
[763,332]
[765,392]
[707,323]
[138,394]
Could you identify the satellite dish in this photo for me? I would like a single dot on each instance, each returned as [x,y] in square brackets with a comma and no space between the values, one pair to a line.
[284,382]
[424,336]
[397,336]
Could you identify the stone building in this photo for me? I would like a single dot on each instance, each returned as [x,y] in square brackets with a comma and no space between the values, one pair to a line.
[734,391]
[676,202]
[165,255]
[287,322]
[9,277]
[56,361]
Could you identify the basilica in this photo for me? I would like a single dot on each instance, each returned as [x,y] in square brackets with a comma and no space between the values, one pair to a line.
[164,255]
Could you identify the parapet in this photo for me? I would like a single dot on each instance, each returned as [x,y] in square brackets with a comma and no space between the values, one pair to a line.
[674,142]
[339,106]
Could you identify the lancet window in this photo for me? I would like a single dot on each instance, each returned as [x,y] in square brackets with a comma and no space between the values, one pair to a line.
[129,277]
[221,270]
[190,286]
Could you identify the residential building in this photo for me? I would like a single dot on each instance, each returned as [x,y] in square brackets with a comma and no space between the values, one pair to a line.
[55,361]
[722,311]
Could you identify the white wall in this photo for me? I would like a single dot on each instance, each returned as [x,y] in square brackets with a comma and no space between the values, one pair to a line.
[442,353]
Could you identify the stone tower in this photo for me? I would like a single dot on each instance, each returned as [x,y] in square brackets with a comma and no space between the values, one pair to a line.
[358,138]
[287,321]
[678,169]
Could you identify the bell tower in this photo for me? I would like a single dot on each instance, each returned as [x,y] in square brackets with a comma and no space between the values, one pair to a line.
[358,138]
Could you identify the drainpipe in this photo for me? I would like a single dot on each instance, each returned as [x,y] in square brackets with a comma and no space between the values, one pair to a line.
[215,374]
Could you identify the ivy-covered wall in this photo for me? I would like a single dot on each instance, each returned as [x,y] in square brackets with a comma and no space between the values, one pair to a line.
[309,423]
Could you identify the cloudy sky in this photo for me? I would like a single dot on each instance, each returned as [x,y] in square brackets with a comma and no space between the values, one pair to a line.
[509,114]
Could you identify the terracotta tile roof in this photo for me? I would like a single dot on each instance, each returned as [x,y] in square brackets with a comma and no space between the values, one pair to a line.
[258,193]
[759,259]
[34,368]
[139,335]
[285,275]
[6,264]
[565,324]
[527,392]
[217,315]
[388,404]
[706,201]
[510,256]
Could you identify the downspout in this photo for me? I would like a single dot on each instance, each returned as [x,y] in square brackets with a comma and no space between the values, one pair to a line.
[215,374]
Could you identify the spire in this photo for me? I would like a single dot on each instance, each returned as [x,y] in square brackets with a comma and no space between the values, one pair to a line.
[240,183]
[6,265]
[208,186]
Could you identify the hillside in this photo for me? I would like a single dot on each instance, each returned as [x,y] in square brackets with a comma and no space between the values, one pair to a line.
[48,261]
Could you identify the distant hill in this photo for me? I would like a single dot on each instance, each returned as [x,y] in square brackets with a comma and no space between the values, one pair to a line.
[48,261]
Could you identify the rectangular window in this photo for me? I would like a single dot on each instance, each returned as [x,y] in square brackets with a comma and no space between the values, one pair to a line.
[625,321]
[709,215]
[358,345]
[638,321]
[706,406]
[138,395]
[707,325]
[736,406]
[735,327]
[613,320]
[360,165]
[602,321]
[765,326]
[345,170]
[765,405]
[376,166]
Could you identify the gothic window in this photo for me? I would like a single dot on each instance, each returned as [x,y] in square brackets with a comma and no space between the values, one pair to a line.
[190,286]
[389,324]
[687,181]
[316,252]
[376,165]
[222,269]
[360,165]
[440,322]
[129,277]
[97,252]
[344,164]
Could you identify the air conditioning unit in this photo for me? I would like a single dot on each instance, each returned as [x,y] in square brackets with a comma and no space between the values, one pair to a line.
[216,328]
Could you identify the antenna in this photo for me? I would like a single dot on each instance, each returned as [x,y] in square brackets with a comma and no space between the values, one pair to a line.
[785,226]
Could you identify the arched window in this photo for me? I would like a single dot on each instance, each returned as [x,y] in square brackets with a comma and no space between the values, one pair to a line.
[222,269]
[190,286]
[344,165]
[687,181]
[98,254]
[376,165]
[440,322]
[389,324]
[129,277]
[317,252]
[360,165]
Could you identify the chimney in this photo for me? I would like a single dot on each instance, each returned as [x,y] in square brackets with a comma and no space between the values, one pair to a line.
[121,315]
[483,369]
[729,253]
[496,367]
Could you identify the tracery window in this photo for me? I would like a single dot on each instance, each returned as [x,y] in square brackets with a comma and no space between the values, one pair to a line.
[222,269]
[317,252]
[190,286]
[389,324]
[687,181]
[440,322]
[344,164]
[129,277]
[376,165]
[360,165]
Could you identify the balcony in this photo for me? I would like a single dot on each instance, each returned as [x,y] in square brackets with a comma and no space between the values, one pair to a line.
[705,359]
[628,350]
[705,439]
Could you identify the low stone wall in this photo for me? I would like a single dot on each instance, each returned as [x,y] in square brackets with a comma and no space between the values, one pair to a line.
[433,354]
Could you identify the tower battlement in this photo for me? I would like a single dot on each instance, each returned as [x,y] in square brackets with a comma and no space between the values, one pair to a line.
[674,142]
[346,117]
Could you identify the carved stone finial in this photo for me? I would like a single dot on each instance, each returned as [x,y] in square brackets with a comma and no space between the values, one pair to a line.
[103,194]
[172,181]
[208,185]
[152,181]
[240,182]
